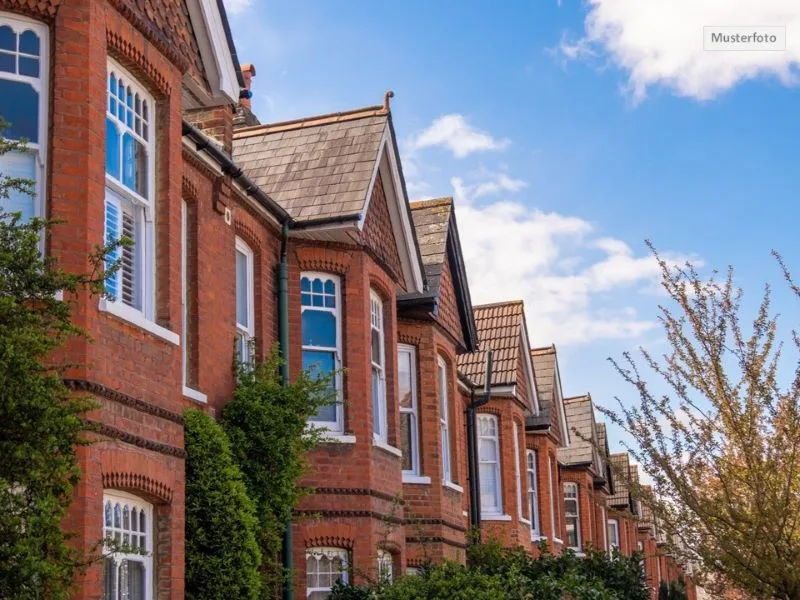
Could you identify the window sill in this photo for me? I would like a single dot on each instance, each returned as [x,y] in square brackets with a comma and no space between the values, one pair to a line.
[578,553]
[538,538]
[453,486]
[387,448]
[495,517]
[416,479]
[137,319]
[524,521]
[557,541]
[195,395]
[332,437]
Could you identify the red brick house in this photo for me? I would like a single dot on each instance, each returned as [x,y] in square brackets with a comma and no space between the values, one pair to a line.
[583,475]
[545,435]
[622,528]
[435,326]
[500,428]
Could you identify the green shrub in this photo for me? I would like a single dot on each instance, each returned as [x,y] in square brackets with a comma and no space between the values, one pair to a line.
[222,553]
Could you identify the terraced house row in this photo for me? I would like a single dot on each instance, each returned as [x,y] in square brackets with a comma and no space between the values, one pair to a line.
[139,123]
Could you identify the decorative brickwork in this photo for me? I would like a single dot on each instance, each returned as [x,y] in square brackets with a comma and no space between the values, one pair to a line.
[378,234]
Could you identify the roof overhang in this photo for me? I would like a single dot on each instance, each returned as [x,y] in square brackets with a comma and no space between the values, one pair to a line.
[458,272]
[210,25]
[527,364]
[558,396]
[388,166]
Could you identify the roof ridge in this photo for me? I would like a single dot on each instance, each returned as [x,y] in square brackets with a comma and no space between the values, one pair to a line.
[431,202]
[313,121]
[542,350]
[494,304]
[576,398]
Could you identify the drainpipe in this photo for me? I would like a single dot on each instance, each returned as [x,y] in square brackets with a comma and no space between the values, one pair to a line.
[283,344]
[472,450]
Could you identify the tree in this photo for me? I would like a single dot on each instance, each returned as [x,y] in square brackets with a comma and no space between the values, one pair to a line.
[41,422]
[267,424]
[222,553]
[719,434]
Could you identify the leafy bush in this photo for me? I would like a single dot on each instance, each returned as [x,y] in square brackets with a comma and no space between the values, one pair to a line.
[222,553]
[266,423]
[514,574]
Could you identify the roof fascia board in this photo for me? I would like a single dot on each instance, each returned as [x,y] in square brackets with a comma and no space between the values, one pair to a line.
[562,417]
[209,30]
[528,364]
[458,272]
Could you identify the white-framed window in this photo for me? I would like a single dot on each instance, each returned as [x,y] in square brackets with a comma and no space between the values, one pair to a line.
[533,491]
[130,190]
[378,361]
[605,529]
[517,476]
[640,548]
[321,324]
[489,470]
[572,515]
[658,569]
[385,565]
[613,535]
[324,567]
[409,412]
[444,419]
[553,521]
[24,91]
[245,301]
[128,533]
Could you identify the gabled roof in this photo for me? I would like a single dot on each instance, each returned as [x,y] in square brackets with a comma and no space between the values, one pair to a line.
[322,171]
[602,444]
[501,328]
[215,43]
[437,236]
[548,389]
[582,449]
[621,497]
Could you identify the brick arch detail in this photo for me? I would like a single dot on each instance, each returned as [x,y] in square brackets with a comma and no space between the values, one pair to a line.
[136,482]
[134,58]
[323,260]
[42,9]
[330,541]
[412,340]
[250,237]
[188,189]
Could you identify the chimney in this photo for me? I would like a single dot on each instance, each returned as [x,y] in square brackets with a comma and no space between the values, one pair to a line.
[248,72]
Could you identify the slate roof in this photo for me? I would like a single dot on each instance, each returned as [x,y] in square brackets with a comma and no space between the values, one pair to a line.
[431,220]
[544,368]
[580,418]
[316,167]
[602,439]
[499,328]
[621,496]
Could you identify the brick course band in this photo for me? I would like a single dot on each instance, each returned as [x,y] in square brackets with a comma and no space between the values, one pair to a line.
[357,492]
[329,541]
[362,514]
[99,389]
[135,440]
[436,540]
[134,481]
[432,521]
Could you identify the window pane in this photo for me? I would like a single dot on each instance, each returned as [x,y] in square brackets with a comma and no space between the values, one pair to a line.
[319,328]
[28,66]
[8,63]
[406,439]
[112,149]
[487,450]
[109,579]
[134,164]
[305,284]
[404,379]
[21,165]
[321,363]
[132,580]
[29,43]
[8,39]
[19,105]
[488,477]
[242,285]
[376,402]
[376,347]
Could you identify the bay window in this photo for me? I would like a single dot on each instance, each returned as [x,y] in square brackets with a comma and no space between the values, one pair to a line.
[245,302]
[24,93]
[613,535]
[533,493]
[378,360]
[489,469]
[517,477]
[324,567]
[409,412]
[444,419]
[320,316]
[572,515]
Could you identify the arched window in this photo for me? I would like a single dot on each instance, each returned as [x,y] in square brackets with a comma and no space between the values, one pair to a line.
[409,411]
[385,565]
[128,537]
[24,71]
[533,493]
[324,567]
[321,324]
[489,455]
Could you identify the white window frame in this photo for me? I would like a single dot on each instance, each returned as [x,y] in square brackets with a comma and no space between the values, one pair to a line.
[335,427]
[187,391]
[343,554]
[385,565]
[41,84]
[495,439]
[246,332]
[444,420]
[531,457]
[377,325]
[116,496]
[144,207]
[517,471]
[555,531]
[613,524]
[413,410]
[605,529]
[574,496]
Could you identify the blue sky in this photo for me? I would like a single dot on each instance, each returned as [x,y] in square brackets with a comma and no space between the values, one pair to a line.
[569,132]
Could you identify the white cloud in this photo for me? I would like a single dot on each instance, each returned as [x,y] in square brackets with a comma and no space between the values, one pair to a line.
[457,135]
[660,42]
[496,183]
[550,260]
[235,7]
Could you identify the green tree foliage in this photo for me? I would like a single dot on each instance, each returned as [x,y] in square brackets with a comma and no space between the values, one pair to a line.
[266,423]
[513,574]
[40,420]
[673,590]
[222,552]
[722,445]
